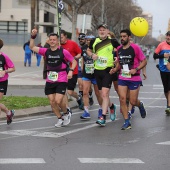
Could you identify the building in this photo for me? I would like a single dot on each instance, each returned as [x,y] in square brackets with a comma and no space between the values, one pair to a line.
[168,25]
[149,18]
[15,20]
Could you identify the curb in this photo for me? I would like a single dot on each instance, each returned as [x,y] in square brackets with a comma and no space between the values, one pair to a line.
[36,111]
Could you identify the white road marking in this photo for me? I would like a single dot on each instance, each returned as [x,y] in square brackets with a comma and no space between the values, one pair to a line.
[164,143]
[110,160]
[47,117]
[143,98]
[22,161]
[45,134]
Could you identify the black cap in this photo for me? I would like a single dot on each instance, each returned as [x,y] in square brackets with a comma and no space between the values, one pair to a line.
[81,36]
[103,25]
[168,33]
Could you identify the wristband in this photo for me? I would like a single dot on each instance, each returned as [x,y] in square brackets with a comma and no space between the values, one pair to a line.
[71,69]
[33,36]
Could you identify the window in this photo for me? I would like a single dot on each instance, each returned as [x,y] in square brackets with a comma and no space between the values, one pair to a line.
[12,26]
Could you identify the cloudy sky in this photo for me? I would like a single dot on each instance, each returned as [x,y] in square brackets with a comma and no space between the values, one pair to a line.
[160,9]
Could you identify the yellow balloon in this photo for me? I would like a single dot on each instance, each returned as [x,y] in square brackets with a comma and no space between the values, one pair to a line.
[139,26]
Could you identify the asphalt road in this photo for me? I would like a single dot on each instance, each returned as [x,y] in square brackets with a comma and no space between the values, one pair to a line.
[34,143]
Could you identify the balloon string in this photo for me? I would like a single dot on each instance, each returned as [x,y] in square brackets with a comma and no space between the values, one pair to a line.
[142,39]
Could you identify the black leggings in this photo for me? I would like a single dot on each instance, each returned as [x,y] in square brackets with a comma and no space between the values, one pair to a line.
[165,76]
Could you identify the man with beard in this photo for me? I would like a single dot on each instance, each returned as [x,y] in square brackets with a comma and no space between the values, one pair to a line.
[130,61]
[101,51]
[83,44]
[162,52]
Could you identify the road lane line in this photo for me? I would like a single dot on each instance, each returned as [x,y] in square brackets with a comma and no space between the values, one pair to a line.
[110,160]
[22,161]
[164,143]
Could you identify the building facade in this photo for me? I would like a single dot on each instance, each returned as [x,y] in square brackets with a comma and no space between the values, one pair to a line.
[15,20]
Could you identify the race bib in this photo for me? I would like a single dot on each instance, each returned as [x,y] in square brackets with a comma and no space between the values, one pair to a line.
[165,61]
[126,74]
[89,68]
[125,71]
[101,62]
[52,75]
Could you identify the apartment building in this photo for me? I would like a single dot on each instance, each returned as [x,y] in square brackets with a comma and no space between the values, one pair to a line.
[15,19]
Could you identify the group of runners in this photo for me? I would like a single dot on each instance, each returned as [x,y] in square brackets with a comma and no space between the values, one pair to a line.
[95,63]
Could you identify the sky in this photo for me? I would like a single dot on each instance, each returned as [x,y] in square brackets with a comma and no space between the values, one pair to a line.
[160,10]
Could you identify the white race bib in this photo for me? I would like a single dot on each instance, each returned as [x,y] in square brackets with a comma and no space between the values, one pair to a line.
[52,75]
[101,62]
[89,68]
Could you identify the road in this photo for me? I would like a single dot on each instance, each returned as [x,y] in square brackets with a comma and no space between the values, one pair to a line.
[34,143]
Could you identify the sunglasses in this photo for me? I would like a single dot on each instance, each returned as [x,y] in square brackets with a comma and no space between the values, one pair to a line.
[53,34]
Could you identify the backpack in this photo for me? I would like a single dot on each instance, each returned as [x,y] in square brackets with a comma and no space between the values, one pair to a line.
[2,62]
[52,63]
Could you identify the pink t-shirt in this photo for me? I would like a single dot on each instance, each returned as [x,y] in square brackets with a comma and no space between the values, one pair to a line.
[8,64]
[62,75]
[135,52]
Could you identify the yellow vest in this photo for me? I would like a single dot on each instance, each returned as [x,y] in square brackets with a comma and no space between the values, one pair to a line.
[104,50]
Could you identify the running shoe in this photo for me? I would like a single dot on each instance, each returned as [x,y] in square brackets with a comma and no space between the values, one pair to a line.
[113,112]
[9,117]
[133,110]
[129,115]
[59,123]
[85,115]
[101,121]
[167,111]
[126,126]
[69,111]
[67,118]
[142,110]
[91,101]
[99,113]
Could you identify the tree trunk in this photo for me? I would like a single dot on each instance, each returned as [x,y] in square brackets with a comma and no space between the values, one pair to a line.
[32,13]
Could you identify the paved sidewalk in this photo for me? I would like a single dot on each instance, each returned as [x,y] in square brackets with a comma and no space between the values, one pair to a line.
[29,78]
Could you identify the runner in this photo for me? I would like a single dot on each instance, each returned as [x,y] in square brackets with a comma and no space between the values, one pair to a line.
[57,78]
[162,52]
[131,60]
[101,51]
[88,80]
[6,67]
[75,51]
[82,42]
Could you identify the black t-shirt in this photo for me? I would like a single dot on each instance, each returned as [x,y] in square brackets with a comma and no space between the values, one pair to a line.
[87,60]
[126,56]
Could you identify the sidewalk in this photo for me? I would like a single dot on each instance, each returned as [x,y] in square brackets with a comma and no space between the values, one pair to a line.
[29,78]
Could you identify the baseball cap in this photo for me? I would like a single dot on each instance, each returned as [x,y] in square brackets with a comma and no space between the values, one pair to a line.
[103,25]
[81,36]
[168,33]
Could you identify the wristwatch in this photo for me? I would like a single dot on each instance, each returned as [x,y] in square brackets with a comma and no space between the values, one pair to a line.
[136,69]
[71,69]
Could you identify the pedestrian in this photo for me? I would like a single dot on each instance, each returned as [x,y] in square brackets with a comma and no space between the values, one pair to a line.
[28,54]
[75,51]
[56,82]
[83,41]
[162,52]
[38,56]
[130,61]
[101,51]
[88,79]
[6,67]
